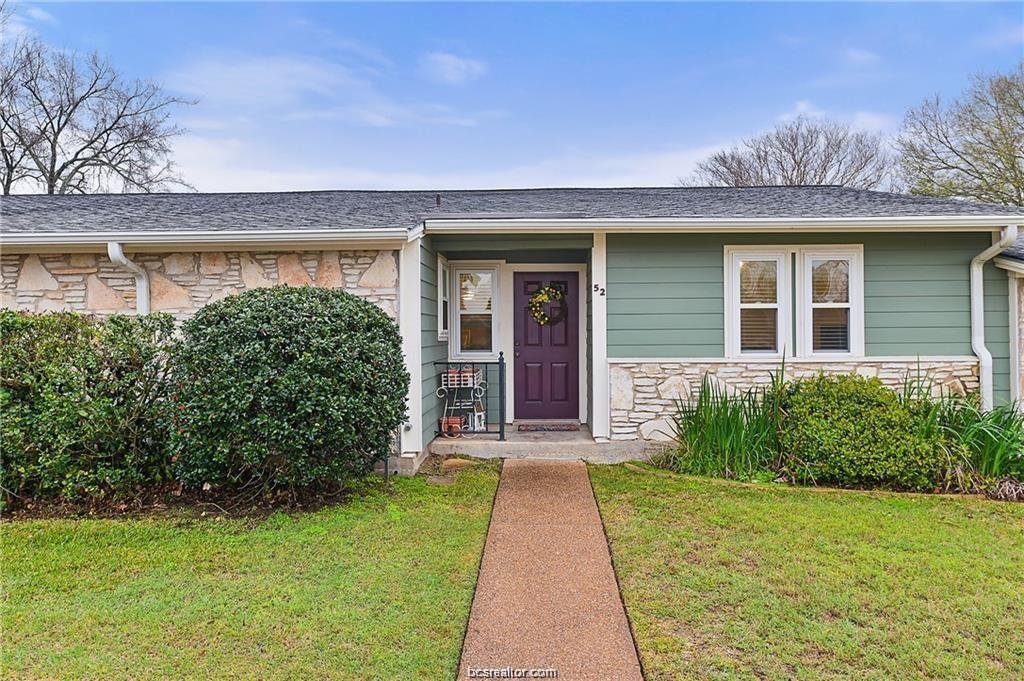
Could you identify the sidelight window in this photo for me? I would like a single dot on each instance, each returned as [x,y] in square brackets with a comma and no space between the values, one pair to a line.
[475,318]
[444,291]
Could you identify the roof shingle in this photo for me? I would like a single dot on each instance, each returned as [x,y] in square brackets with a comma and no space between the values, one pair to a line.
[405,209]
[1016,251]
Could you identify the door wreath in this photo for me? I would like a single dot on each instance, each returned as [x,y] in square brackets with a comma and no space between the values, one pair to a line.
[543,296]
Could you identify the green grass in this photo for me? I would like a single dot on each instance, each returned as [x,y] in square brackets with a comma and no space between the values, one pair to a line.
[725,580]
[379,587]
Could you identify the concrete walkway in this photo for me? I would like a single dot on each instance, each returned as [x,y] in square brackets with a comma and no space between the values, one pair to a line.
[547,596]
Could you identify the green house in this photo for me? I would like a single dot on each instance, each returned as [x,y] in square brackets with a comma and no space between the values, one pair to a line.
[569,320]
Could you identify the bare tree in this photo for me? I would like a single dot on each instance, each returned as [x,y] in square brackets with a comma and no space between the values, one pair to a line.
[802,151]
[973,148]
[72,124]
[13,158]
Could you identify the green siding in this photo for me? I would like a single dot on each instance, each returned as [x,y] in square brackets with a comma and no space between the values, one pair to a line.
[666,294]
[500,246]
[432,349]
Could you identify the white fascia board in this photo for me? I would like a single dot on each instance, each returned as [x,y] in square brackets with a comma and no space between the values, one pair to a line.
[210,237]
[958,223]
[416,233]
[1015,266]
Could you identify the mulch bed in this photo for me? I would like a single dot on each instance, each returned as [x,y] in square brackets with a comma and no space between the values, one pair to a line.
[171,500]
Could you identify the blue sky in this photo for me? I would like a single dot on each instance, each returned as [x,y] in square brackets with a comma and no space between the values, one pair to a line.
[316,96]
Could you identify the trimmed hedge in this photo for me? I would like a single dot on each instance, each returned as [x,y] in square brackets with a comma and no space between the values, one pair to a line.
[83,404]
[854,431]
[286,388]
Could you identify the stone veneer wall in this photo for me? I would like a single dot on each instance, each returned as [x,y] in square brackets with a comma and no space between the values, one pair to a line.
[181,283]
[643,394]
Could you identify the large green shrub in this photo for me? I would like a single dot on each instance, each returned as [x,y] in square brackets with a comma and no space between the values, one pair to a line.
[286,388]
[853,431]
[82,403]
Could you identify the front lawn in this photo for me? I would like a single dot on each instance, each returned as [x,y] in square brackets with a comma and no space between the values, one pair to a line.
[379,587]
[728,580]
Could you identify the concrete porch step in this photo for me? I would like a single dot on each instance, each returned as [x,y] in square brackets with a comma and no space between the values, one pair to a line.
[587,450]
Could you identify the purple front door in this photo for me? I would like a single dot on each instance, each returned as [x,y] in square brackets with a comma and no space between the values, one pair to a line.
[547,371]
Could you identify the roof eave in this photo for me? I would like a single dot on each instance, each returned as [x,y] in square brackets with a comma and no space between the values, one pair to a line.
[957,223]
[206,239]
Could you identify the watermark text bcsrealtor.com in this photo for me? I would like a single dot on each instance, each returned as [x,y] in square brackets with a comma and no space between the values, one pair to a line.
[511,673]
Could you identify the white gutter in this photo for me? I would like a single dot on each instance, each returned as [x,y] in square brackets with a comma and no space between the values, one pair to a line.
[1016,266]
[1016,345]
[499,225]
[959,223]
[117,256]
[416,232]
[1007,237]
[170,238]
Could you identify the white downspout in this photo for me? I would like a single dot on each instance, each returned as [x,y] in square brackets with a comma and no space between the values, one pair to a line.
[117,256]
[1006,239]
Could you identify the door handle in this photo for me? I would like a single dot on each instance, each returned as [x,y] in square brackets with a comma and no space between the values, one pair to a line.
[517,354]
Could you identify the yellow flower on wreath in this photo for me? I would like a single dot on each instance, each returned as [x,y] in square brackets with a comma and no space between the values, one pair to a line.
[543,295]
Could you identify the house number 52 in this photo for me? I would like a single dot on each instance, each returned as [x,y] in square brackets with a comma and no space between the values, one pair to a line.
[598,289]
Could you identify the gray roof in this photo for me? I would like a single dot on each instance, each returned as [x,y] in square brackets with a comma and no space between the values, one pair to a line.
[404,209]
[1016,251]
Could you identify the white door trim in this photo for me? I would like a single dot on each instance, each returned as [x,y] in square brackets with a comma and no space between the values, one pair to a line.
[506,315]
[601,421]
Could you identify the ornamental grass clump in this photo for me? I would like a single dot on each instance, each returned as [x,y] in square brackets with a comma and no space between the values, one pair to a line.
[728,436]
[294,389]
[992,441]
[851,431]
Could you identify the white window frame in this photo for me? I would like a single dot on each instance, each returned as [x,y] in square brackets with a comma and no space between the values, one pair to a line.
[783,299]
[455,343]
[444,294]
[805,305]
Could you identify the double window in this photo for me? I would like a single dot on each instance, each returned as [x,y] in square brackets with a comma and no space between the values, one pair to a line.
[808,294]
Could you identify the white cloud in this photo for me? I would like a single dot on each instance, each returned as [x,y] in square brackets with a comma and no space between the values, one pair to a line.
[376,111]
[238,165]
[300,88]
[19,22]
[260,81]
[860,57]
[450,69]
[802,107]
[871,121]
[365,56]
[38,14]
